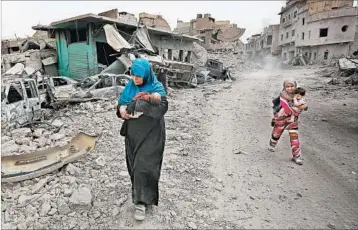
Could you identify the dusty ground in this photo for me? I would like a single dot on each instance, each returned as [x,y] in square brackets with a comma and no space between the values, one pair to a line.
[217,172]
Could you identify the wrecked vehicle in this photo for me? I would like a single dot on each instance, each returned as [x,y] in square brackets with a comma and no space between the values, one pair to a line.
[54,88]
[103,85]
[27,166]
[178,73]
[20,101]
[217,70]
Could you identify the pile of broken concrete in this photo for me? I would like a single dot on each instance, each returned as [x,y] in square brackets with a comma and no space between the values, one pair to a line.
[344,72]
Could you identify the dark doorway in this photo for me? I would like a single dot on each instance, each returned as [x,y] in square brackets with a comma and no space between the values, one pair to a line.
[103,53]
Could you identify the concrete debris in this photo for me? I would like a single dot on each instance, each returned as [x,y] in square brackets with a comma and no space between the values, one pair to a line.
[346,73]
[16,70]
[81,196]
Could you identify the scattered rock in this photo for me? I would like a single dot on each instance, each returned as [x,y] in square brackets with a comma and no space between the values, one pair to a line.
[52,212]
[331,226]
[73,170]
[238,152]
[37,187]
[63,207]
[81,196]
[100,161]
[23,141]
[299,194]
[38,133]
[67,192]
[5,139]
[8,226]
[57,123]
[192,225]
[115,211]
[21,132]
[57,136]
[9,148]
[45,209]
[123,173]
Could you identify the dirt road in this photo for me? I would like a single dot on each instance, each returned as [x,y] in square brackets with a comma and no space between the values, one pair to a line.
[217,171]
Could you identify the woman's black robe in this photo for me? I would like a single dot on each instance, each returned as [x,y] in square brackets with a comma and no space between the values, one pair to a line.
[144,144]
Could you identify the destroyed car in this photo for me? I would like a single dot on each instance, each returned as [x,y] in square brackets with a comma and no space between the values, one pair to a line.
[53,88]
[217,70]
[179,73]
[104,85]
[20,101]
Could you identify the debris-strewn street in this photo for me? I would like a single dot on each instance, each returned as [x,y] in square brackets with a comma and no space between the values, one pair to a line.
[217,171]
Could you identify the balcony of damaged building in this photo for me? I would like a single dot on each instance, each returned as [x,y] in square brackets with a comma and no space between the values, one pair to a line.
[91,46]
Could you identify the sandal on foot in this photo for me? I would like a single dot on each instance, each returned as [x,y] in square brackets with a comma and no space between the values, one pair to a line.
[297,160]
[139,213]
[271,148]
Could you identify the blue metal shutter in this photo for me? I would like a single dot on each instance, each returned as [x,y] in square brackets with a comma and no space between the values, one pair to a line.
[78,60]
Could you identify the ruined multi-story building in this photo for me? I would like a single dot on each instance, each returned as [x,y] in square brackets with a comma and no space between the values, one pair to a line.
[321,30]
[154,21]
[215,34]
[264,44]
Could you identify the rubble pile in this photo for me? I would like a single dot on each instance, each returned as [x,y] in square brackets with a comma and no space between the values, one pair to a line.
[344,73]
[94,192]
[237,62]
[29,61]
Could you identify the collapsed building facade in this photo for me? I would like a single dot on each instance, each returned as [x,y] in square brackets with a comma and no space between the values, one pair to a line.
[320,30]
[36,53]
[85,45]
[154,21]
[215,34]
[264,44]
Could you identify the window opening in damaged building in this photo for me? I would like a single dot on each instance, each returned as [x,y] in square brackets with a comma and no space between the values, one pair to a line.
[103,53]
[323,32]
[79,35]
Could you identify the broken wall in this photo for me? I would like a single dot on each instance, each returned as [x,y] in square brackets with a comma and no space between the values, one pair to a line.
[316,54]
[275,48]
[318,6]
[155,21]
[163,43]
[30,58]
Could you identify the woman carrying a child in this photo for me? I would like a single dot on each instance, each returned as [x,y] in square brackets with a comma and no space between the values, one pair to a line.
[286,118]
[144,133]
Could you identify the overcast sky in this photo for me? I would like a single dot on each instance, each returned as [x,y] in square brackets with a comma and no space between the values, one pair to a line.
[19,16]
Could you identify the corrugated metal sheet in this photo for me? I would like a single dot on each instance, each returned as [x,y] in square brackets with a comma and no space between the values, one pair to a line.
[114,39]
[78,60]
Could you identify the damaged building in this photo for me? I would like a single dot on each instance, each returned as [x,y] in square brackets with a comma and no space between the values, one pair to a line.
[154,21]
[29,55]
[319,30]
[216,35]
[264,44]
[89,43]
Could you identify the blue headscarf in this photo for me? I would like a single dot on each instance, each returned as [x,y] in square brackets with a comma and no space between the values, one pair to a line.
[141,68]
